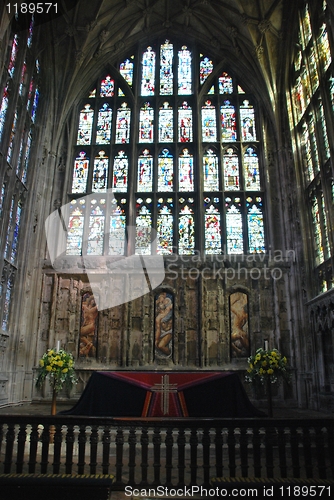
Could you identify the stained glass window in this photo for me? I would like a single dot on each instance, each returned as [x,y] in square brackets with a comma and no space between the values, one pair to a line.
[166,68]
[145,171]
[225,84]
[107,87]
[324,135]
[80,173]
[247,120]
[205,69]
[35,105]
[210,171]
[165,223]
[165,171]
[117,238]
[23,79]
[255,225]
[306,23]
[231,170]
[186,226]
[103,127]
[120,172]
[85,125]
[184,72]
[228,123]
[7,301]
[31,32]
[166,123]
[185,123]
[75,227]
[3,110]
[234,226]
[15,238]
[126,70]
[143,226]
[96,227]
[251,170]
[209,125]
[313,67]
[212,226]
[317,231]
[148,72]
[11,138]
[324,48]
[146,122]
[13,55]
[24,158]
[100,173]
[123,120]
[186,171]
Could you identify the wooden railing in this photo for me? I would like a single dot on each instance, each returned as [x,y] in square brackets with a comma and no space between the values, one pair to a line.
[170,452]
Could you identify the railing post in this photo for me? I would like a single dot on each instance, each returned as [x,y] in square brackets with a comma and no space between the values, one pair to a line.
[257,451]
[93,449]
[307,451]
[119,456]
[243,452]
[144,456]
[156,455]
[319,442]
[294,451]
[219,452]
[231,451]
[106,449]
[57,448]
[169,456]
[181,443]
[206,456]
[69,449]
[270,436]
[10,436]
[33,448]
[45,448]
[193,456]
[132,455]
[282,451]
[82,449]
[21,441]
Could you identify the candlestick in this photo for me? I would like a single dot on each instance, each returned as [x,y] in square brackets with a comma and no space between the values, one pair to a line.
[58,345]
[266,345]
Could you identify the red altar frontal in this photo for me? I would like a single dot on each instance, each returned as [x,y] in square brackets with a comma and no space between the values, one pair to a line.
[165,394]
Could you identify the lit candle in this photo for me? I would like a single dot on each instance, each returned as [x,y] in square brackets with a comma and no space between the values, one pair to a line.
[58,345]
[266,345]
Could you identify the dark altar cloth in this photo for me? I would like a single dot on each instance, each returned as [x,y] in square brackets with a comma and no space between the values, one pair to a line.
[197,394]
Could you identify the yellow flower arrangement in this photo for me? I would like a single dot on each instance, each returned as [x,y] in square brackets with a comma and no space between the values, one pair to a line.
[266,365]
[59,366]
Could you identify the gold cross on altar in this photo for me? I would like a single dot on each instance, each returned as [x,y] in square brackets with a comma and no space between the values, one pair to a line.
[165,389]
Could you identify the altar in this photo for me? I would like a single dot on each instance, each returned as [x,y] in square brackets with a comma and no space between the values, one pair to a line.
[165,394]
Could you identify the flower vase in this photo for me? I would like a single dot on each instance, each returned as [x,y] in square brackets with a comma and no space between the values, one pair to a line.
[269,398]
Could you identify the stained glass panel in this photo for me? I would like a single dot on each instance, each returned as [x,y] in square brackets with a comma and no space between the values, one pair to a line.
[103,127]
[11,138]
[165,171]
[107,88]
[314,147]
[10,223]
[148,72]
[251,170]
[209,124]
[25,156]
[325,227]
[324,135]
[317,232]
[120,172]
[7,301]
[117,236]
[228,123]
[210,171]
[234,226]
[35,105]
[184,72]
[85,125]
[231,170]
[23,79]
[126,70]
[75,227]
[186,226]
[255,225]
[143,227]
[145,171]
[166,68]
[96,227]
[100,173]
[15,240]
[247,120]
[13,55]
[3,110]
[307,154]
[165,226]
[225,84]
[80,173]
[123,120]
[186,171]
[313,67]
[30,33]
[185,123]
[146,122]
[324,48]
[240,90]
[205,69]
[212,226]
[166,123]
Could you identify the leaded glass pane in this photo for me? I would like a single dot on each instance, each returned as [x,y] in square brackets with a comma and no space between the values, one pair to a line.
[165,226]
[205,69]
[3,110]
[120,173]
[184,72]
[313,67]
[75,227]
[166,68]
[25,158]
[325,227]
[324,135]
[100,173]
[165,171]
[11,138]
[146,122]
[247,120]
[30,33]
[240,90]
[80,173]
[314,146]
[7,301]
[186,227]
[234,226]
[103,127]
[143,227]
[212,226]
[15,240]
[209,124]
[186,171]
[85,126]
[324,48]
[228,123]
[307,154]
[10,222]
[23,79]
[92,94]
[107,88]
[148,72]
[225,84]
[210,171]
[13,55]
[166,124]
[123,120]
[255,225]
[117,237]
[251,170]
[145,171]
[185,123]
[319,250]
[231,170]
[35,105]
[126,70]
[96,227]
